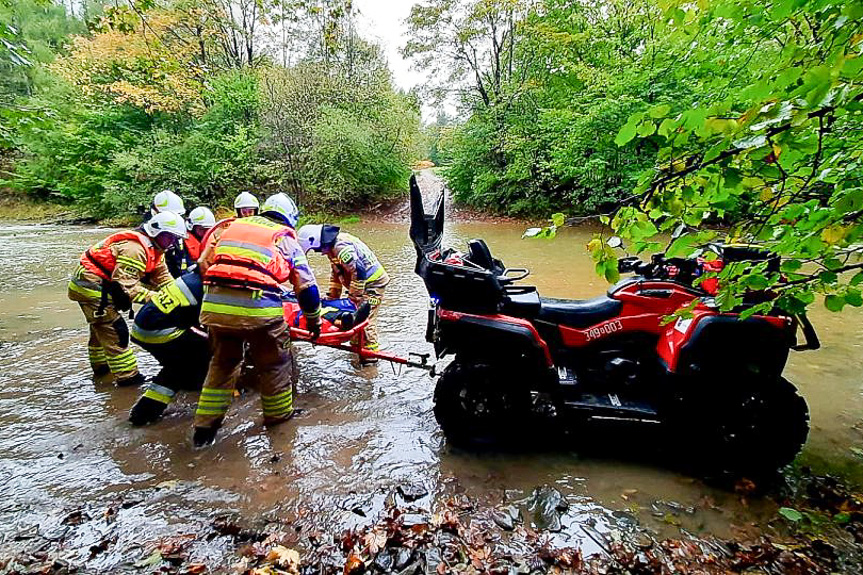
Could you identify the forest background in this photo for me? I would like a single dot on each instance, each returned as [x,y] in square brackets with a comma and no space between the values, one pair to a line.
[713,119]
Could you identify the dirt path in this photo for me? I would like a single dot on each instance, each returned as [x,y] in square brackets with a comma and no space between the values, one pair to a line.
[432,186]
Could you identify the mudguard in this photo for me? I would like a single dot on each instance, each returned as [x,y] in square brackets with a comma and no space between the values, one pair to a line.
[709,343]
[502,336]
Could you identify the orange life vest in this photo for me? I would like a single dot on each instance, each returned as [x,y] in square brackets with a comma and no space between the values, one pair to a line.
[247,255]
[101,261]
[194,246]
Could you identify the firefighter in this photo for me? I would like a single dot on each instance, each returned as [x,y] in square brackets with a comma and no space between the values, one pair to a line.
[246,204]
[354,266]
[167,327]
[243,306]
[110,277]
[177,258]
[200,221]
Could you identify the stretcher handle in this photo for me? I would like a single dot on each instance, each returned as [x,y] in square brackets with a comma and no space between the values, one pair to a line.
[330,337]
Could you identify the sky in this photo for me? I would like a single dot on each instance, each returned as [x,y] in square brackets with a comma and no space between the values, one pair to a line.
[383,21]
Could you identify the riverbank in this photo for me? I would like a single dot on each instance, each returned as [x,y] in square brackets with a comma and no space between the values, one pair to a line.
[16,206]
[20,207]
[456,532]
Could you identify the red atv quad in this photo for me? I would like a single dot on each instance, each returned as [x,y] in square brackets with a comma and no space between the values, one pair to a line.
[713,379]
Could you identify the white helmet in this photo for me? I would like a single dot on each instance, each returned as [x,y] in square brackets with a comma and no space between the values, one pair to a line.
[201,216]
[165,222]
[168,201]
[309,237]
[246,200]
[283,208]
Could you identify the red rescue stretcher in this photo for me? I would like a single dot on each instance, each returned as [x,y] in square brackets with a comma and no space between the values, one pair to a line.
[352,340]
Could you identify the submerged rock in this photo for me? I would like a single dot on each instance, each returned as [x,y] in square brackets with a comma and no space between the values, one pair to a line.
[384,561]
[503,519]
[403,556]
[412,492]
[546,504]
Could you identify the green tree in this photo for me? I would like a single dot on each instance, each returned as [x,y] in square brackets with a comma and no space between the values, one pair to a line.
[779,161]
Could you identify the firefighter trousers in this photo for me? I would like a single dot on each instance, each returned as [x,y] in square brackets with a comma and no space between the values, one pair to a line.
[269,350]
[184,360]
[374,297]
[108,346]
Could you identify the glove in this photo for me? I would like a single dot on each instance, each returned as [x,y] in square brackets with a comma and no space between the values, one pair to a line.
[314,328]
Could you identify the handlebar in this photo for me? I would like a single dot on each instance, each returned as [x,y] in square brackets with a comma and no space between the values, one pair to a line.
[660,267]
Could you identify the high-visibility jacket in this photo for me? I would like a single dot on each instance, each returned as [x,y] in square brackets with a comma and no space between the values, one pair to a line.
[247,255]
[171,311]
[100,259]
[354,266]
[208,244]
[248,270]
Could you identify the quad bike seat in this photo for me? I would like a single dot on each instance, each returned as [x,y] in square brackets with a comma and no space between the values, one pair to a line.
[479,254]
[578,313]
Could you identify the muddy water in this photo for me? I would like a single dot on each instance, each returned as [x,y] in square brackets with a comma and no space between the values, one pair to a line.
[65,444]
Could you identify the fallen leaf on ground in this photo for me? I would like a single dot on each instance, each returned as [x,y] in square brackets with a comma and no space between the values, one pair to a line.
[285,558]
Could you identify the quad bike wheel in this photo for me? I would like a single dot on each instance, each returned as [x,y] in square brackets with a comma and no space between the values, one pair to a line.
[750,430]
[478,404]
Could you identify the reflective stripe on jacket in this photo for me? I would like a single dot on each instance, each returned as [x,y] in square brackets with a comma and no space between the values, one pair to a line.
[171,312]
[248,270]
[349,250]
[355,266]
[100,259]
[247,255]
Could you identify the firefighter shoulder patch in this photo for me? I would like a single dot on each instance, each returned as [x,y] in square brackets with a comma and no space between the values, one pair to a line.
[346,256]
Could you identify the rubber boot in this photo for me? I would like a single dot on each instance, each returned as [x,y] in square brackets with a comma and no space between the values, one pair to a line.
[204,436]
[102,375]
[101,371]
[273,421]
[146,411]
[136,380]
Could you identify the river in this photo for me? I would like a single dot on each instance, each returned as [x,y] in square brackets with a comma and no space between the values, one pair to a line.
[65,445]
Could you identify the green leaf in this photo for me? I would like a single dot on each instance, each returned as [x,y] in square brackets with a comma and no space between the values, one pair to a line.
[153,559]
[612,275]
[857,279]
[646,128]
[790,514]
[852,67]
[834,303]
[842,518]
[791,265]
[853,298]
[788,76]
[681,247]
[659,111]
[694,119]
[558,219]
[715,151]
[667,126]
[626,133]
[781,9]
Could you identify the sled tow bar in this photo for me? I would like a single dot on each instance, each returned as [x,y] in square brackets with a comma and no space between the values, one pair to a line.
[338,339]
